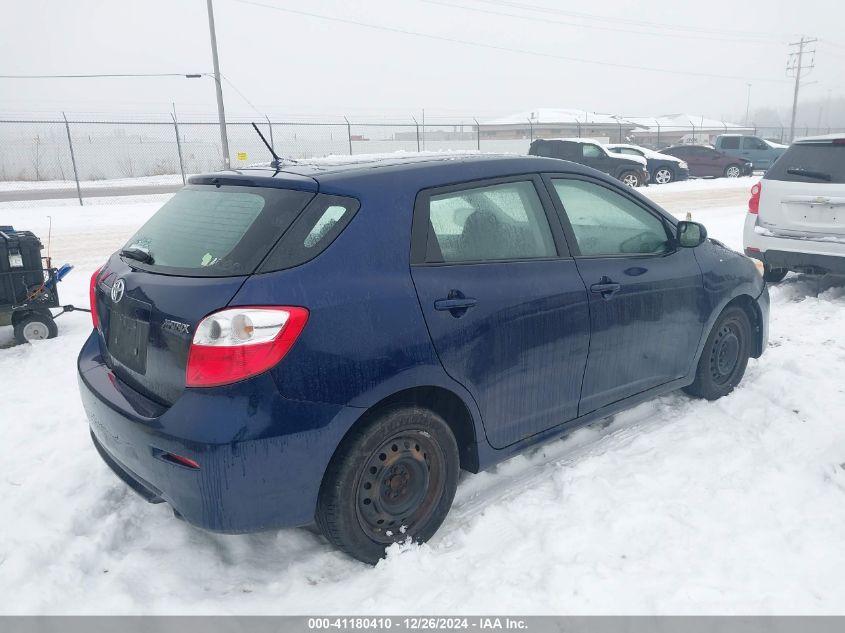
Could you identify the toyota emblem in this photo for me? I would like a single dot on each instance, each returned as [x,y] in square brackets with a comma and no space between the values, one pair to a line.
[117,290]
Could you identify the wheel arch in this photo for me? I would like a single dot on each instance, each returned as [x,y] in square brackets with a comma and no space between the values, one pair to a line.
[755,316]
[446,403]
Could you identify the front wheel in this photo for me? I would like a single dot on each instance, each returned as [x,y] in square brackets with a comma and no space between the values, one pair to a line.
[733,171]
[724,357]
[392,479]
[663,176]
[35,326]
[630,178]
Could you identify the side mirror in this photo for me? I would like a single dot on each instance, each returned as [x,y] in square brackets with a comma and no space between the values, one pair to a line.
[690,234]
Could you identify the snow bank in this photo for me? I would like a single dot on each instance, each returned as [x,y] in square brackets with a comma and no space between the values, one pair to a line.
[677,506]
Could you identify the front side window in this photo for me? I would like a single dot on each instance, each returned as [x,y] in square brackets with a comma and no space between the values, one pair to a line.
[592,151]
[497,222]
[605,223]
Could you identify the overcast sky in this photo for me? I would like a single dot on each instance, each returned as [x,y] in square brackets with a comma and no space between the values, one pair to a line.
[289,64]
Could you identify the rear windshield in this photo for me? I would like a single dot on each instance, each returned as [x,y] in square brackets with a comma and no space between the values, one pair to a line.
[810,162]
[211,231]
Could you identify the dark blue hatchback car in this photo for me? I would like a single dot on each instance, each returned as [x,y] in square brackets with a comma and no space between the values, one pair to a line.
[334,343]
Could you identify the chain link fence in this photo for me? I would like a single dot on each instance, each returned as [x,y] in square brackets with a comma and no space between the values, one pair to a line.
[47,159]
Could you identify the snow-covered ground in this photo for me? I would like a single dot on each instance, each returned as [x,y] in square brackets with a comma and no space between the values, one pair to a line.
[29,185]
[677,506]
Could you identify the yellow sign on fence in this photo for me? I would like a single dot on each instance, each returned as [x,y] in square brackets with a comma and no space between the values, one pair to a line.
[241,155]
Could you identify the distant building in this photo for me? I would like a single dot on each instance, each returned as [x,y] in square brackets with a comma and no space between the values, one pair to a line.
[555,123]
[672,129]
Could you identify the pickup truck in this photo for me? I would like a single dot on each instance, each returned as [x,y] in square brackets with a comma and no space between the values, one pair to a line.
[760,152]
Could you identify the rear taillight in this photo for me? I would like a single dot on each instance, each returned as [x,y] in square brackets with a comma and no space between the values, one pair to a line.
[92,298]
[839,141]
[237,343]
[754,201]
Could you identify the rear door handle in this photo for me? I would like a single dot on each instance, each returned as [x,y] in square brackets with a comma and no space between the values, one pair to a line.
[455,304]
[606,288]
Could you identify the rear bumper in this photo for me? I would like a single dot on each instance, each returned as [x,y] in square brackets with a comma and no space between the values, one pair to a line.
[796,254]
[261,457]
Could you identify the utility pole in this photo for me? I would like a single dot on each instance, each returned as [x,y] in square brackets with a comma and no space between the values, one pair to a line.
[747,104]
[221,114]
[795,63]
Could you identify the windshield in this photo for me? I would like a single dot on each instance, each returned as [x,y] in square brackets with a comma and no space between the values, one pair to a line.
[211,231]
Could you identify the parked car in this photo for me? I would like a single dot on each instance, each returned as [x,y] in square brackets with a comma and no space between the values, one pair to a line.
[760,152]
[796,214]
[334,343]
[704,161]
[662,168]
[631,170]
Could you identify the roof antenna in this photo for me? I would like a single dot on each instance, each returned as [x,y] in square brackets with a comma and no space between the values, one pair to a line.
[277,162]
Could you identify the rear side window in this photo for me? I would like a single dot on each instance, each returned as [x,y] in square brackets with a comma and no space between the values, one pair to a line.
[321,222]
[555,149]
[607,223]
[730,142]
[810,162]
[209,231]
[752,142]
[498,222]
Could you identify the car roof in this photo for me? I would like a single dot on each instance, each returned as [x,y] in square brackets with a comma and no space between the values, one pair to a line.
[419,171]
[572,139]
[823,137]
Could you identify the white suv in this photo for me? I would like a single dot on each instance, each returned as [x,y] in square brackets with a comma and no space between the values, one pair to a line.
[796,214]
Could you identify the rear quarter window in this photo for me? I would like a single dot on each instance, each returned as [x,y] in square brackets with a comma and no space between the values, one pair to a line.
[322,221]
[810,162]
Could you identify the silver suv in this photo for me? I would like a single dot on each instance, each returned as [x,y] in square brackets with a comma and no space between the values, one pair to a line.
[796,214]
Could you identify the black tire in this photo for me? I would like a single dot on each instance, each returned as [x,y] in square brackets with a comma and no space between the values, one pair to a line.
[724,357]
[774,275]
[399,469]
[35,326]
[630,178]
[662,176]
[733,171]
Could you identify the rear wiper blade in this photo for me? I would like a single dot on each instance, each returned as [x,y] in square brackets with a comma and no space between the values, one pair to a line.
[818,175]
[138,254]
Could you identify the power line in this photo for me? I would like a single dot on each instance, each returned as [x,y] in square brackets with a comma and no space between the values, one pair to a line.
[98,76]
[546,20]
[658,25]
[443,38]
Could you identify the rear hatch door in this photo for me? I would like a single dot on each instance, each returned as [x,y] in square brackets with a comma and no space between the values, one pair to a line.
[803,194]
[187,261]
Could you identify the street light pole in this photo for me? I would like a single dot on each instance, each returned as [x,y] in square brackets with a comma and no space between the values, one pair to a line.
[221,114]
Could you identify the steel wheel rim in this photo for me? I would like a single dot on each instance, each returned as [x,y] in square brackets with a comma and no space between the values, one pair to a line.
[733,172]
[726,353]
[630,180]
[662,176]
[400,486]
[36,331]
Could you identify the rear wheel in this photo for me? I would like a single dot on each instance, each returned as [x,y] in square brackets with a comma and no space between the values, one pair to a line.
[663,175]
[725,356]
[392,479]
[774,275]
[733,171]
[35,326]
[630,178]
